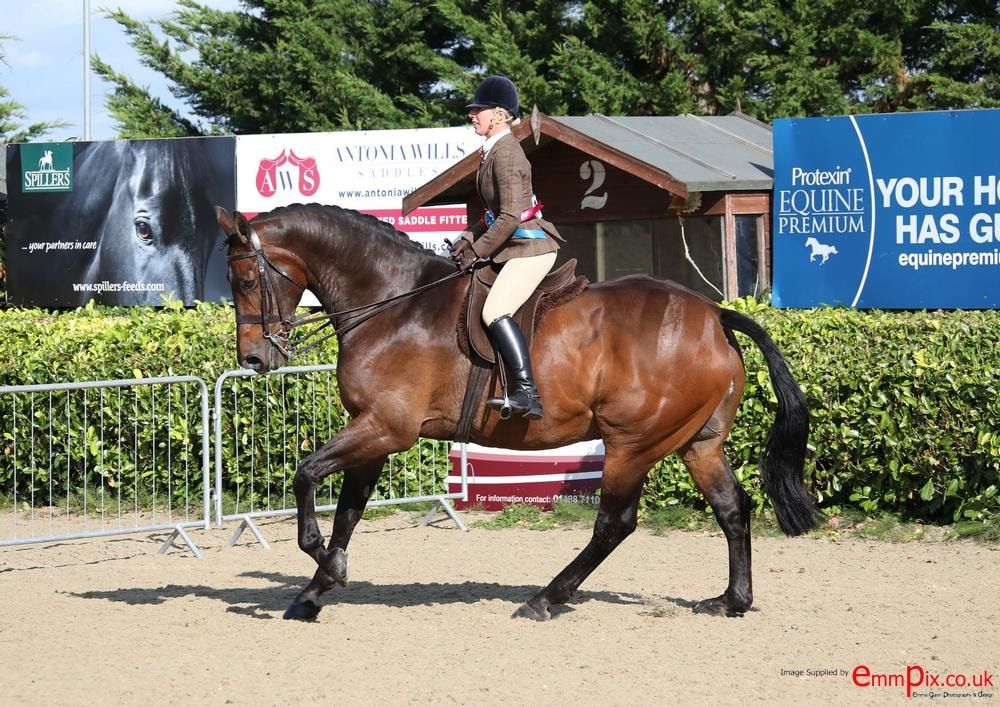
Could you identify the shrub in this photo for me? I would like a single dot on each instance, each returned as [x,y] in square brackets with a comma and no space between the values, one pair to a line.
[903,404]
[80,434]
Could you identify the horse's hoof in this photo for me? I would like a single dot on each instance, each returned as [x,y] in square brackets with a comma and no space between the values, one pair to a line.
[302,611]
[719,606]
[527,611]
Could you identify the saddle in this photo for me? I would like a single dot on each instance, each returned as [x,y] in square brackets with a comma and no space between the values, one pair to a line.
[559,286]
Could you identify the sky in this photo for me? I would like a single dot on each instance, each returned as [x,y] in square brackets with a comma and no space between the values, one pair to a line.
[45,66]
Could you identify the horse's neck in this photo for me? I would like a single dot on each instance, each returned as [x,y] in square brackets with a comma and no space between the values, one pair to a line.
[361,269]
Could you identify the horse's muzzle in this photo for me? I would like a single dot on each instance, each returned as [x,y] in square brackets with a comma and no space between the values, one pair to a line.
[255,363]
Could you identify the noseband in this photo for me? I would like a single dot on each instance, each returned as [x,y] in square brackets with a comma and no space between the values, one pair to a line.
[269,302]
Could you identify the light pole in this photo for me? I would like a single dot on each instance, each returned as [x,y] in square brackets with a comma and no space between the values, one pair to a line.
[86,69]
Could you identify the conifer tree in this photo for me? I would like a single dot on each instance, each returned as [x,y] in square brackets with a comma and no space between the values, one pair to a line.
[314,65]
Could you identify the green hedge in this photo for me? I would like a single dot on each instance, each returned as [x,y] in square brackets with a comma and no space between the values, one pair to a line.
[82,450]
[904,404]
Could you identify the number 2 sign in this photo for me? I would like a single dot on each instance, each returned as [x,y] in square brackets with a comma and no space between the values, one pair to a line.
[594,171]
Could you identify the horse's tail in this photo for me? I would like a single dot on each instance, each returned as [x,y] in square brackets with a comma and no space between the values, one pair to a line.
[782,460]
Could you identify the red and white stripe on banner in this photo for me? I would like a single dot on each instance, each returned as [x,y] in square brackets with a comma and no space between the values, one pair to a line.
[500,477]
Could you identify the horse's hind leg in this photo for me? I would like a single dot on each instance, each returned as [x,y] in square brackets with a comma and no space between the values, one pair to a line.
[616,520]
[359,482]
[707,464]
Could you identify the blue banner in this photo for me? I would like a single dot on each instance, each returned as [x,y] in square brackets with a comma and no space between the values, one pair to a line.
[898,211]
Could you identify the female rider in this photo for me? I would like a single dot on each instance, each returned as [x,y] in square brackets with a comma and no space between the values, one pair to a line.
[512,234]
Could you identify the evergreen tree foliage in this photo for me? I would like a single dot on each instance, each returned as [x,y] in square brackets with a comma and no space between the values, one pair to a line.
[290,66]
[314,65]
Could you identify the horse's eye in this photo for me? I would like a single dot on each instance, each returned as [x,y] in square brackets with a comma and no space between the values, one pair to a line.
[143,231]
[248,285]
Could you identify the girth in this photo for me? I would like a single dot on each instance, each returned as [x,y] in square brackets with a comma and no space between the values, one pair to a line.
[559,286]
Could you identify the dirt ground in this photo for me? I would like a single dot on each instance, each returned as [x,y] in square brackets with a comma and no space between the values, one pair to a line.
[426,619]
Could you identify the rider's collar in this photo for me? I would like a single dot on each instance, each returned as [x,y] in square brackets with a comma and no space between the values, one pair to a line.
[491,141]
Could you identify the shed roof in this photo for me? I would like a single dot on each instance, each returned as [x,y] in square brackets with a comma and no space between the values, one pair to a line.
[680,154]
[706,153]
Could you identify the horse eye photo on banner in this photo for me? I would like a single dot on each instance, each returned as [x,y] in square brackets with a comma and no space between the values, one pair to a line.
[118,222]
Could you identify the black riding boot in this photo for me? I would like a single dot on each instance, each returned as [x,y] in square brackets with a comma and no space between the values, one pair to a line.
[522,399]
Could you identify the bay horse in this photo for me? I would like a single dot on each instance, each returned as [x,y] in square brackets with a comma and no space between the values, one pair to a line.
[644,364]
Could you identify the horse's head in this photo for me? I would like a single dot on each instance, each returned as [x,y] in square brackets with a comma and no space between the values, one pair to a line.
[267,282]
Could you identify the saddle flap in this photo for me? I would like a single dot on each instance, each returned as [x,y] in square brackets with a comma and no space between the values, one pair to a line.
[559,278]
[472,335]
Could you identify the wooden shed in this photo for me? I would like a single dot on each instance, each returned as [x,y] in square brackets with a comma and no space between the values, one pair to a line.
[683,197]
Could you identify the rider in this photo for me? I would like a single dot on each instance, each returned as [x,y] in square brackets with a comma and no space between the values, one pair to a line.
[512,233]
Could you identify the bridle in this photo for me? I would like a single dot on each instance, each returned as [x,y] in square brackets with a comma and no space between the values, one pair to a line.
[269,301]
[270,305]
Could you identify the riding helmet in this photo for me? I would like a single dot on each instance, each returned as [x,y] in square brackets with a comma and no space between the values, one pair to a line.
[496,92]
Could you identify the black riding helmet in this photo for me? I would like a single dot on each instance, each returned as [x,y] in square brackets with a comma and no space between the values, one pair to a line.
[496,92]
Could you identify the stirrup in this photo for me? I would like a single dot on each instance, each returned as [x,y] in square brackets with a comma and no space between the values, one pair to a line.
[530,409]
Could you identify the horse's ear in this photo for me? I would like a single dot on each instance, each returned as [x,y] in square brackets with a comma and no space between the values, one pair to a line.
[224,219]
[242,226]
[233,224]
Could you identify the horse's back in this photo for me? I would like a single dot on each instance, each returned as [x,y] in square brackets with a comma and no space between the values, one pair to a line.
[641,307]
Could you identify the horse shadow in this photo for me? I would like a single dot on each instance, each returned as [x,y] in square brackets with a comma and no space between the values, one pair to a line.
[269,602]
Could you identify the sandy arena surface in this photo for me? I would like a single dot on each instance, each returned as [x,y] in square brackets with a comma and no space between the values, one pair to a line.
[426,619]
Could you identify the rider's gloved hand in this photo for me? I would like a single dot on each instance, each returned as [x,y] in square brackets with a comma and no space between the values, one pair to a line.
[463,254]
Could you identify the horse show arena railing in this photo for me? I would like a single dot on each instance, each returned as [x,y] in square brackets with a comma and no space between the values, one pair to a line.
[104,458]
[259,445]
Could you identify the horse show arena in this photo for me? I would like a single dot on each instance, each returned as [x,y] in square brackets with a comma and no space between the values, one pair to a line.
[426,619]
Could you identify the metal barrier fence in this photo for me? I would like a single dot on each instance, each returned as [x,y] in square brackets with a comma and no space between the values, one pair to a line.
[266,424]
[104,458]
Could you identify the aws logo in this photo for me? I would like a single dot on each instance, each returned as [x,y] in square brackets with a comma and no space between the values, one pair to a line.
[287,172]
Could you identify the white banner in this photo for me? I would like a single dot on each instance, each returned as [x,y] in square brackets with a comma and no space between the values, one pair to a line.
[369,171]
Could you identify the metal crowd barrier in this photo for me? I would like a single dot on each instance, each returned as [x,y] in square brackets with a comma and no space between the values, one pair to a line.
[115,457]
[104,458]
[266,424]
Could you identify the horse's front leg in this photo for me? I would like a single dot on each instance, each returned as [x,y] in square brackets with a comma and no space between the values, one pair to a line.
[358,485]
[362,446]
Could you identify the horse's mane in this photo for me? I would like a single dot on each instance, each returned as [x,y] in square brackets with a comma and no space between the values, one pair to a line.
[365,222]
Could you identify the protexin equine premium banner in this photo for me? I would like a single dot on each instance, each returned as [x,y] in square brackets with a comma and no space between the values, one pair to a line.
[897,211]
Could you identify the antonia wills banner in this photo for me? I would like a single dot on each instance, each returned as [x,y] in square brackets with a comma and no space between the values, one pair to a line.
[369,171]
[897,211]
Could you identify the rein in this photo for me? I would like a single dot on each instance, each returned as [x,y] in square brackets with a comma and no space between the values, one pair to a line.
[269,302]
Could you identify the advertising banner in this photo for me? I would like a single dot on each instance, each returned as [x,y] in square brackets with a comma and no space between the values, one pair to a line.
[501,477]
[898,211]
[118,222]
[369,171]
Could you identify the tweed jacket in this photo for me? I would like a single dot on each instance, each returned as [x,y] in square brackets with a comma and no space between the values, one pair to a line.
[504,185]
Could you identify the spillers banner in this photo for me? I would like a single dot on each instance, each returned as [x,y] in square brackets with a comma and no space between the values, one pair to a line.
[896,211]
[118,222]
